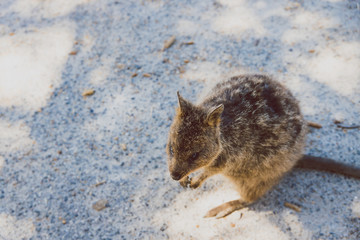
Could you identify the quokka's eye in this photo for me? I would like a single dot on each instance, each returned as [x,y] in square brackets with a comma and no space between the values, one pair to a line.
[171,150]
[194,156]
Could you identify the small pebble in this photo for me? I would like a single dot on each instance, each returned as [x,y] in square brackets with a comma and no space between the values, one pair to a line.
[123,146]
[120,66]
[100,205]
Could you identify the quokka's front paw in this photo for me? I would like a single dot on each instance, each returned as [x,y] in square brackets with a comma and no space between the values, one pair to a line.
[185,182]
[188,182]
[194,183]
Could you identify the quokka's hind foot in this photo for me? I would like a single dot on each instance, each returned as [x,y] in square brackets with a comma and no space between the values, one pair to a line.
[227,208]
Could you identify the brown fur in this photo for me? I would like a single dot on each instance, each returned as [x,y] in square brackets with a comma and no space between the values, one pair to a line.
[250,129]
[329,165]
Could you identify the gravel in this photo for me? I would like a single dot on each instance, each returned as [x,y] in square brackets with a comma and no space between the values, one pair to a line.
[88,91]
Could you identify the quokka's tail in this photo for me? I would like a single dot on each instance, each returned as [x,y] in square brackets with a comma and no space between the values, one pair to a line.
[328,165]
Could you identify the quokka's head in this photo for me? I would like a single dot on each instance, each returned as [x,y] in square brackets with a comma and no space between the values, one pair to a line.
[194,138]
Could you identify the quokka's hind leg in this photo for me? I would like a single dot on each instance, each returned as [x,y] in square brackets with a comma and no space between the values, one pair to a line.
[250,192]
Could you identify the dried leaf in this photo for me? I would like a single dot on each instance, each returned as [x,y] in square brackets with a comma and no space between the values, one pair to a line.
[100,183]
[88,92]
[292,206]
[169,42]
[347,126]
[314,125]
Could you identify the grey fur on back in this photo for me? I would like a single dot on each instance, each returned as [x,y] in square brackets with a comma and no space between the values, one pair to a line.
[261,120]
[260,115]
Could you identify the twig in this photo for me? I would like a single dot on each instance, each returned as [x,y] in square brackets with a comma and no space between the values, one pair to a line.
[292,206]
[314,125]
[100,183]
[347,127]
[169,42]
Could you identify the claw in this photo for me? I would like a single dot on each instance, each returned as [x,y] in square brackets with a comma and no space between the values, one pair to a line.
[185,183]
[194,184]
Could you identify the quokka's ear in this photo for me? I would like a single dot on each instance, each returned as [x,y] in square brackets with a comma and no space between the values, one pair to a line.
[213,117]
[183,104]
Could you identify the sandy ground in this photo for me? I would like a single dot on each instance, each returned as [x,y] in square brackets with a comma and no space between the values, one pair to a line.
[61,152]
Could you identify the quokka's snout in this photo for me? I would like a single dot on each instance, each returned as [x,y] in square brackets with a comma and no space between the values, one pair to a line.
[178,170]
[174,170]
[176,176]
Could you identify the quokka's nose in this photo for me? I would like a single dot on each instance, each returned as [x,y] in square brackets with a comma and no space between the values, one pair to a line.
[176,176]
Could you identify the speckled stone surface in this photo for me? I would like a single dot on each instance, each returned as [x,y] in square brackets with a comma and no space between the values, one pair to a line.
[62,152]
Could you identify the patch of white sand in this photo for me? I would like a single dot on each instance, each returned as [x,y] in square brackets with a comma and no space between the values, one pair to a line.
[4,29]
[236,18]
[306,98]
[31,64]
[14,137]
[46,8]
[116,113]
[2,162]
[210,73]
[12,229]
[338,67]
[203,71]
[355,207]
[184,217]
[297,228]
[188,28]
[98,75]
